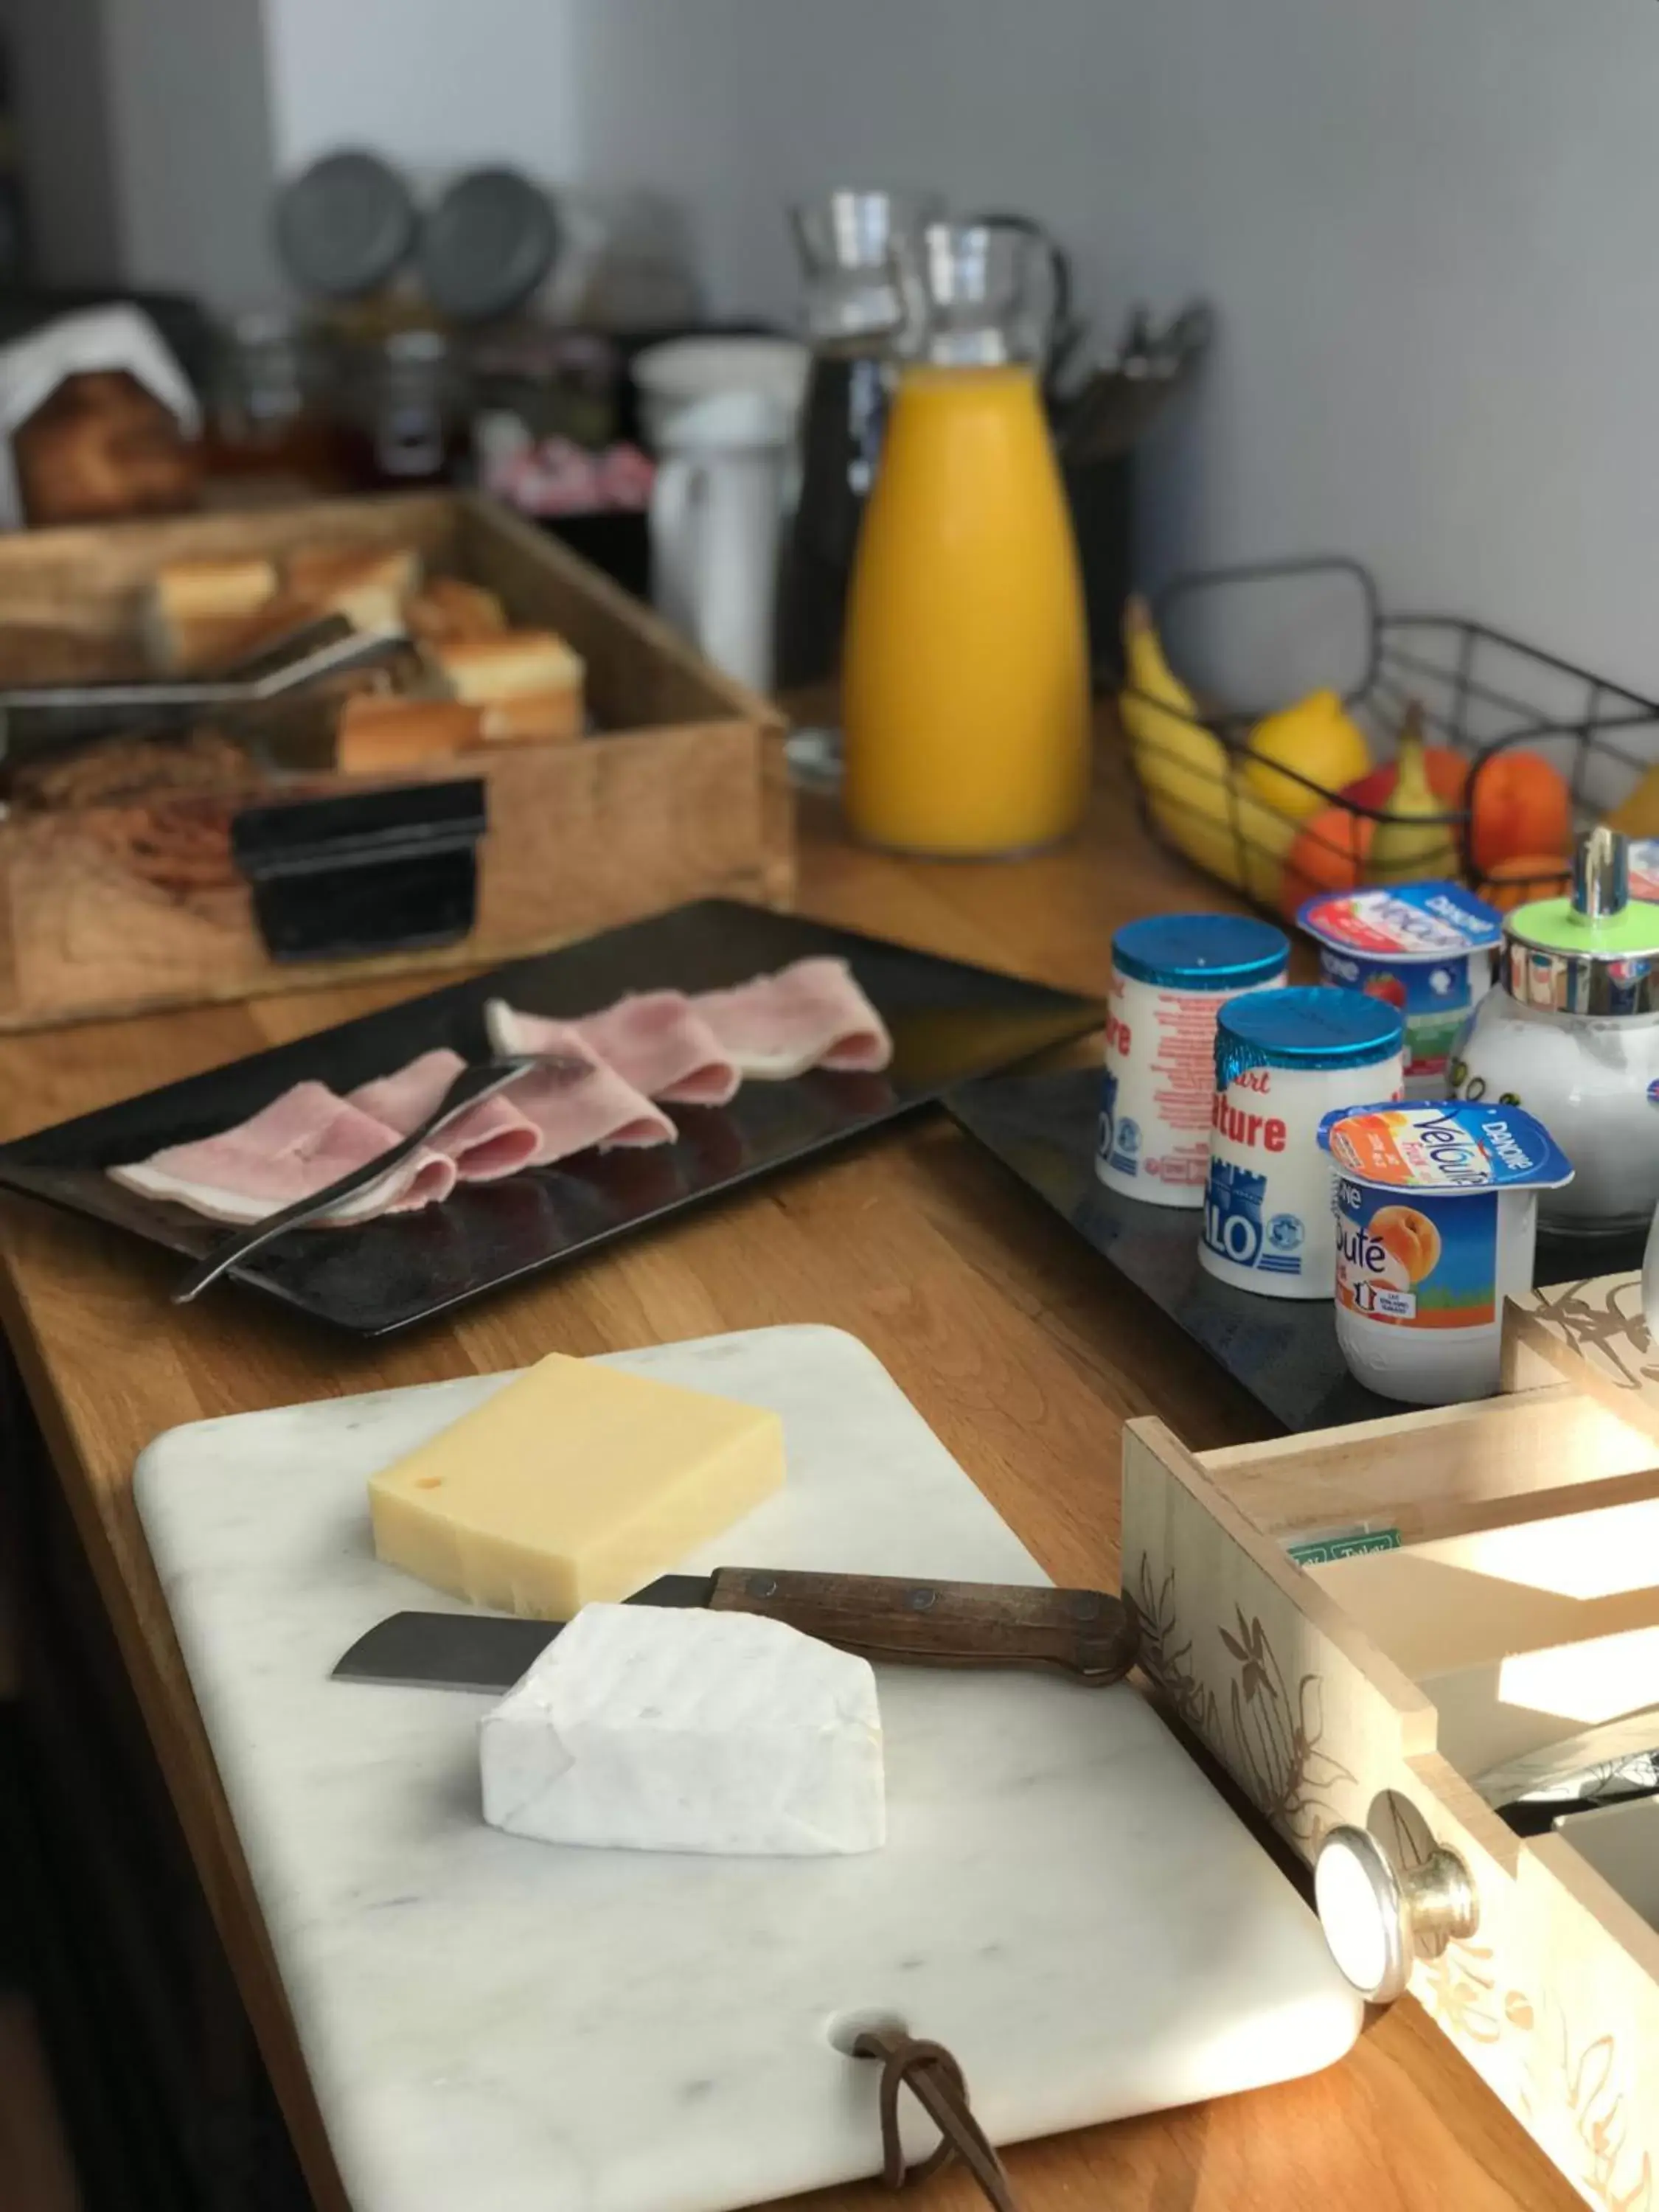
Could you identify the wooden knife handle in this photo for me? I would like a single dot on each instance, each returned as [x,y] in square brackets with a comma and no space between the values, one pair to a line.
[1083,1633]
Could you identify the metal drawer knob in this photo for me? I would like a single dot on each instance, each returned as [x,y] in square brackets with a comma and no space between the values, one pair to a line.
[1376,1917]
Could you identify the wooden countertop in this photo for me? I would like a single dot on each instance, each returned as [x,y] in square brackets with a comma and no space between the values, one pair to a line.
[1024,1353]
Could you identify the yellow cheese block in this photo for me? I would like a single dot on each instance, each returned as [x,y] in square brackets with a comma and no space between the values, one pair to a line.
[574,1485]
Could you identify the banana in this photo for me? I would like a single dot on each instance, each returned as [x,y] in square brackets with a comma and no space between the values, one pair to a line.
[1193,793]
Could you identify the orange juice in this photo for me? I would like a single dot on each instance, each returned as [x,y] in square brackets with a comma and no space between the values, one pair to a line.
[966,675]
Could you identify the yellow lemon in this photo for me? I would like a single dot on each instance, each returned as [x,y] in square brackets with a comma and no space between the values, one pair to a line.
[1316,739]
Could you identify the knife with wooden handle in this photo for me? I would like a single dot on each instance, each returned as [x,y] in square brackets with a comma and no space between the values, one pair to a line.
[1083,1634]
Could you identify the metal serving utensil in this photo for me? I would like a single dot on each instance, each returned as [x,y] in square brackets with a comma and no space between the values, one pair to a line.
[482,1081]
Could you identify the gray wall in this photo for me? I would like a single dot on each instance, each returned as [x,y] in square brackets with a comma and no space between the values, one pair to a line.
[193,145]
[1432,227]
[146,126]
[63,117]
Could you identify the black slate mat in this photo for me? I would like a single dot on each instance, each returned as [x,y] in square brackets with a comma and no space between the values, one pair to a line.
[1284,1350]
[948,1022]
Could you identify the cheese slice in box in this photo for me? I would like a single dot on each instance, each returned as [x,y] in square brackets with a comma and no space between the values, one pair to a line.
[575,1482]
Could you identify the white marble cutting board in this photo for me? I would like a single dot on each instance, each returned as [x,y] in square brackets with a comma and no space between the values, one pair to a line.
[509,2026]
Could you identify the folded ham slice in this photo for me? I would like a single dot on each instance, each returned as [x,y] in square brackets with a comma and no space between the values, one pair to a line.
[490,1139]
[605,1111]
[811,1015]
[658,1042]
[291,1150]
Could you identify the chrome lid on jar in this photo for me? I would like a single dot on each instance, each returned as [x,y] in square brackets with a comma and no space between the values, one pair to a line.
[1596,953]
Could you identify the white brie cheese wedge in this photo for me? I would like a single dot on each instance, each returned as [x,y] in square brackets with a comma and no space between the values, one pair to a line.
[664,1729]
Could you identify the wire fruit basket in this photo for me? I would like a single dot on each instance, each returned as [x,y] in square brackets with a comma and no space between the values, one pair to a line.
[1501,718]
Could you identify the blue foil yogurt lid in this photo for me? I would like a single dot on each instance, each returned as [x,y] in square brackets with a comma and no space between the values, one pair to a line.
[1445,1145]
[1201,951]
[1313,1026]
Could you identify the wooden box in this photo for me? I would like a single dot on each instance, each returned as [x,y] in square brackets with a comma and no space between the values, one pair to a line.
[116,909]
[1466,1583]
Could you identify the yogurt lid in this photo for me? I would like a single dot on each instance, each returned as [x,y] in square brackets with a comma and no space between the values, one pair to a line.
[1644,868]
[1446,1145]
[1201,951]
[1403,921]
[1313,1026]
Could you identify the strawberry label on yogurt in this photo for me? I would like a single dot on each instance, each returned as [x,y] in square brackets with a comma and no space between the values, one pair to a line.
[1424,949]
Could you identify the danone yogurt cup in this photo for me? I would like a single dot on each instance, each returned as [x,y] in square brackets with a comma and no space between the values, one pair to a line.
[1436,1215]
[1171,975]
[1284,1060]
[1424,949]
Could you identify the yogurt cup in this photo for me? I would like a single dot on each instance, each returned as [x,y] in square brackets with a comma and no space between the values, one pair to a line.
[1171,975]
[1424,949]
[1436,1216]
[1284,1060]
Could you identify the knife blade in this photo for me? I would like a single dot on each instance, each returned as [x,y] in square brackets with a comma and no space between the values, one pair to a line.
[1083,1634]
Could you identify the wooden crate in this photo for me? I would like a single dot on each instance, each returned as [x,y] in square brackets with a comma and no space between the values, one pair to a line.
[1368,1686]
[684,795]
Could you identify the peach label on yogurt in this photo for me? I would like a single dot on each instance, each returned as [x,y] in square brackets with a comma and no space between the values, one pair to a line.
[1436,1209]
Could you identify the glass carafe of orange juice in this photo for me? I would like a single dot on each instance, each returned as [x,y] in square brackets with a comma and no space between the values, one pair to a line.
[966,675]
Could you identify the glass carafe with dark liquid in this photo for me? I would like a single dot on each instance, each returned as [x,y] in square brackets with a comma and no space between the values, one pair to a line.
[860,252]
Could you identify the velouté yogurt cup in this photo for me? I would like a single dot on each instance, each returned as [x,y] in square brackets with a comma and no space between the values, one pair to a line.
[1436,1208]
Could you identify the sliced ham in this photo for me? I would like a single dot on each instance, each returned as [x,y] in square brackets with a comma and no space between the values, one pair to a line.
[489,1140]
[605,1111]
[291,1150]
[811,1015]
[658,1042]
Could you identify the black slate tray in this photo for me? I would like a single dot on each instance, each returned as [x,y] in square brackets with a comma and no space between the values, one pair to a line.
[948,1022]
[1284,1350]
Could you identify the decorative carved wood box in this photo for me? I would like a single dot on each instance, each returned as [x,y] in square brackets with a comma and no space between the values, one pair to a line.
[1361,1623]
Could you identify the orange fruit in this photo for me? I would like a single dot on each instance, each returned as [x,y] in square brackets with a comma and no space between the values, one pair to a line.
[1329,854]
[1529,876]
[1520,804]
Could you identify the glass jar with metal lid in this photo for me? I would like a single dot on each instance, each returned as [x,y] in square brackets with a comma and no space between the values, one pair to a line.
[1573,1035]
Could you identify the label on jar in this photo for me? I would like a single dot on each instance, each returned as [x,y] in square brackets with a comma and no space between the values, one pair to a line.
[1418,1261]
[1155,1101]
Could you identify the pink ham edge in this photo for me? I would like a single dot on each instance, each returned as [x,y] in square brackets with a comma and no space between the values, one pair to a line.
[811,1014]
[302,1142]
[604,1111]
[658,1042]
[490,1141]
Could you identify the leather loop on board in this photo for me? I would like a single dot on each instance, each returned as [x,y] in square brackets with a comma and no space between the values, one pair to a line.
[934,2079]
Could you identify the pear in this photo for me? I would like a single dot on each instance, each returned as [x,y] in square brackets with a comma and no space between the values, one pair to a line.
[1414,842]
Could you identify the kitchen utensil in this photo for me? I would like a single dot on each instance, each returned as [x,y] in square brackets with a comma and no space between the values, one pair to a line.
[947,1021]
[1572,1035]
[722,414]
[344,226]
[486,245]
[469,1088]
[1083,1634]
[1108,415]
[965,688]
[1064,1901]
[41,718]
